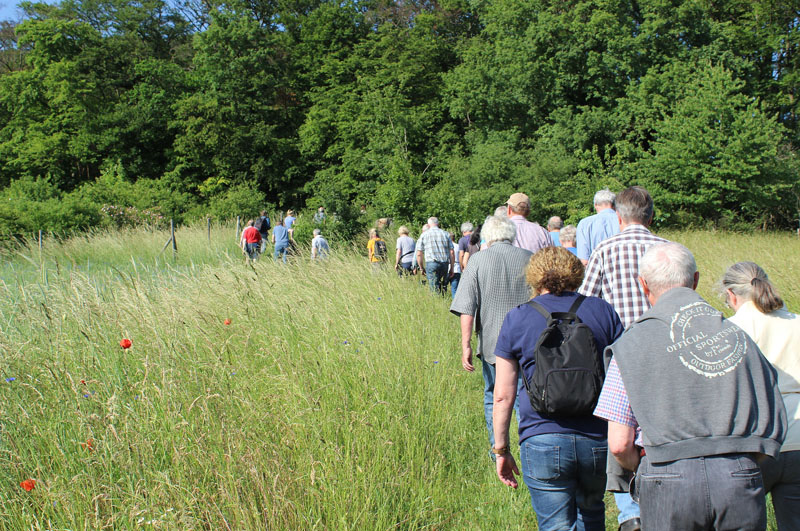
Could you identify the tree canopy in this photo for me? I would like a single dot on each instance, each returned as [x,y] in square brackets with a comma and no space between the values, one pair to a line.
[414,108]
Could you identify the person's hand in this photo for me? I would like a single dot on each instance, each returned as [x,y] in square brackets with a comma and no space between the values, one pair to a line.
[452,274]
[507,469]
[466,358]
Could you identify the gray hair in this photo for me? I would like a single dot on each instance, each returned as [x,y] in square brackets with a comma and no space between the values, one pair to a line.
[425,227]
[402,230]
[501,211]
[667,265]
[568,234]
[498,228]
[316,232]
[749,282]
[466,227]
[555,223]
[605,196]
[433,221]
[635,205]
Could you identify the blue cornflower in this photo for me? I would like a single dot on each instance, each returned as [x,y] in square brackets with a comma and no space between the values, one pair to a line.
[86,396]
[11,379]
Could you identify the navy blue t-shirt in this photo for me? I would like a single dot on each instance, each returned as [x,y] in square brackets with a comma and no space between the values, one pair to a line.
[518,336]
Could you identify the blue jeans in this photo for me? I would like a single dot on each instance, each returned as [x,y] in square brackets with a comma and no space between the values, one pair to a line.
[627,507]
[280,249]
[454,284]
[405,268]
[437,273]
[782,480]
[489,373]
[566,476]
[715,492]
[252,250]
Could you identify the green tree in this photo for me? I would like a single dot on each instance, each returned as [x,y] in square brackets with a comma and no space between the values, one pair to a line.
[715,155]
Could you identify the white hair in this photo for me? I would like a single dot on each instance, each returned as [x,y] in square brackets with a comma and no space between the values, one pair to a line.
[498,228]
[501,211]
[604,196]
[555,223]
[667,265]
[433,221]
[316,232]
[466,227]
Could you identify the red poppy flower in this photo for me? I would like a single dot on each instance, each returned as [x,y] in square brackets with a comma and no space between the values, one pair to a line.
[83,382]
[88,445]
[28,484]
[125,343]
[227,321]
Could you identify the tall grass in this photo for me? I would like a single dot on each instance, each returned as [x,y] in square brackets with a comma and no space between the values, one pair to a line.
[333,399]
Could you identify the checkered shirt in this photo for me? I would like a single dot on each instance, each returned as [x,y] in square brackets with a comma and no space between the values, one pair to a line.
[613,270]
[613,404]
[435,244]
[491,285]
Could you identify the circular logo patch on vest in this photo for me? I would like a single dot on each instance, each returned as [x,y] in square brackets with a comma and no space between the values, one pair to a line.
[702,345]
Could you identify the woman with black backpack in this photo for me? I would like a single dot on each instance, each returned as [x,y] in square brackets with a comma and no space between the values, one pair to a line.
[556,342]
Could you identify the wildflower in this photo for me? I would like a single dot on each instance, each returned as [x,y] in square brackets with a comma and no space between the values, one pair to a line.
[227,321]
[345,342]
[83,382]
[88,445]
[11,379]
[125,343]
[379,298]
[28,484]
[436,361]
[86,395]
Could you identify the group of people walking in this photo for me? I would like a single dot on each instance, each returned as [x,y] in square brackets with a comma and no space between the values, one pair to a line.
[255,235]
[687,417]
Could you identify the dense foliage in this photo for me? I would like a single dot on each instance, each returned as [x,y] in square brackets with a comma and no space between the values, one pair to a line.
[413,108]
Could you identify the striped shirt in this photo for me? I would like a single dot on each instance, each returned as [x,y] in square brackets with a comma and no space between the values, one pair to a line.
[613,270]
[491,285]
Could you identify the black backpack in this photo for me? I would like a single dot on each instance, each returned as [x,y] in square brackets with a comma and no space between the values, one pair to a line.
[262,225]
[380,249]
[568,372]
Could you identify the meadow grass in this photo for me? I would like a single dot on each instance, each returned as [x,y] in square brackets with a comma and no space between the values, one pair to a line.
[334,399]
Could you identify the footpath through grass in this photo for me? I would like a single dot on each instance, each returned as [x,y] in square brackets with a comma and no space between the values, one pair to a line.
[334,398]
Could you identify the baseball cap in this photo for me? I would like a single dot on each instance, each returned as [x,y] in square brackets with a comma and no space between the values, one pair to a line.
[518,199]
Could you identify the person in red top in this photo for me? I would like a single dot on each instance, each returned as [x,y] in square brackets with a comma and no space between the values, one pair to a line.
[250,241]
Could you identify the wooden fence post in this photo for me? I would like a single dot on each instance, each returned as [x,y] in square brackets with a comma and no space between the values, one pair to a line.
[238,222]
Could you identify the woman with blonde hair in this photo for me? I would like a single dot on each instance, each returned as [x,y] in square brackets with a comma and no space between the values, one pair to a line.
[761,313]
[404,257]
[563,456]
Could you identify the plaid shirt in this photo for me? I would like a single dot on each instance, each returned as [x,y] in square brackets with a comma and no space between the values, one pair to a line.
[435,244]
[613,271]
[492,284]
[613,404]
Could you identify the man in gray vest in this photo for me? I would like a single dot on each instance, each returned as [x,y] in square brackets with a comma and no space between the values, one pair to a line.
[493,284]
[706,400]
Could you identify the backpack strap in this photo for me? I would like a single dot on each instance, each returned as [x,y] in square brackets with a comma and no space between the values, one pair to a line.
[576,304]
[558,315]
[539,308]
